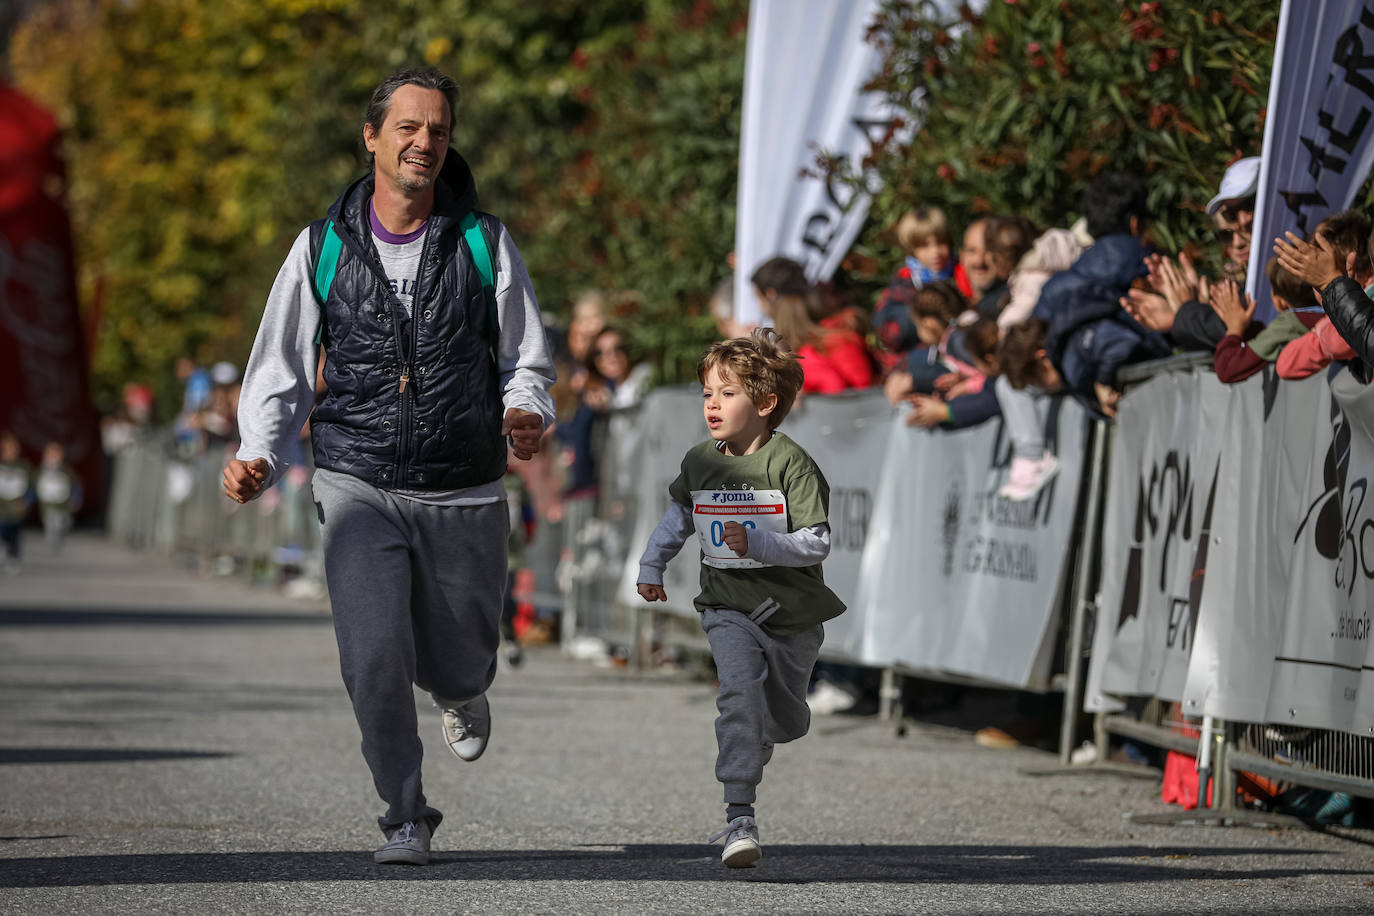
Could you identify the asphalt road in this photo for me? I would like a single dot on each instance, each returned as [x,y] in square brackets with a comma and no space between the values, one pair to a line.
[176,744]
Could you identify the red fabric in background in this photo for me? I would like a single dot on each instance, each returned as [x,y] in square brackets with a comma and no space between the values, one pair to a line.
[44,372]
[1180,781]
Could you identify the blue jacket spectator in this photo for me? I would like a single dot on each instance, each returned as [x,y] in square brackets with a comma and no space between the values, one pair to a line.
[1090,336]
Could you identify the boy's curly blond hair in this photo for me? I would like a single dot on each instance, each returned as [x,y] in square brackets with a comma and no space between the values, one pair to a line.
[762,364]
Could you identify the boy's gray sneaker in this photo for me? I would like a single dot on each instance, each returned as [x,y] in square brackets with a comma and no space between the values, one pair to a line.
[742,847]
[467,726]
[408,844]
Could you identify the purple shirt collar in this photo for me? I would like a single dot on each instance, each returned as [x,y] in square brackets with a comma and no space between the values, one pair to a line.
[392,238]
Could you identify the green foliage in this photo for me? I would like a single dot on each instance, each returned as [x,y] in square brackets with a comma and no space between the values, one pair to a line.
[202,135]
[645,202]
[1021,106]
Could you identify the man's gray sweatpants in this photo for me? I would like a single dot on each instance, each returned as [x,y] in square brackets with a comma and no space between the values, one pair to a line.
[416,592]
[762,698]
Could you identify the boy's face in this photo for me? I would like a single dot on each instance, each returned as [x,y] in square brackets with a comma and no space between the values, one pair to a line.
[933,253]
[731,416]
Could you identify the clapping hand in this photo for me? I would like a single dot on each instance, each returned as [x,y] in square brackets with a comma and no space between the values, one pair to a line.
[1234,309]
[1312,262]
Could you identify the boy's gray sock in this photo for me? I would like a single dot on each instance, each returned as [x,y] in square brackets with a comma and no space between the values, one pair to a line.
[734,811]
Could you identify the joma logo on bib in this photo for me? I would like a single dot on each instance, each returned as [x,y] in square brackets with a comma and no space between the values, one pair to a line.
[734,496]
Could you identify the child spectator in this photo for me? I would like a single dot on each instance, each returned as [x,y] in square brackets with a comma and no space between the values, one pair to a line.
[933,312]
[1247,347]
[759,505]
[1026,372]
[16,495]
[59,495]
[1313,351]
[923,235]
[834,358]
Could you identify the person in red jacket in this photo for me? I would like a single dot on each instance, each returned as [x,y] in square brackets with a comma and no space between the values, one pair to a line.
[833,355]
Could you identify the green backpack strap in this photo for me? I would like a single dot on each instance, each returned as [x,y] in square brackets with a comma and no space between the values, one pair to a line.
[486,269]
[328,244]
[326,247]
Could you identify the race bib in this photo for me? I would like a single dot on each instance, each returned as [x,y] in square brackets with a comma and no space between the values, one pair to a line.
[756,510]
[54,488]
[13,483]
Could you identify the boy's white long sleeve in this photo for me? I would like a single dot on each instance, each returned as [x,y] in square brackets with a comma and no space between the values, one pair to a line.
[672,531]
[279,381]
[803,547]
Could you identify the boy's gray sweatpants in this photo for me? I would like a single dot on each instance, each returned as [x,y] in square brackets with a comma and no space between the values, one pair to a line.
[416,592]
[762,698]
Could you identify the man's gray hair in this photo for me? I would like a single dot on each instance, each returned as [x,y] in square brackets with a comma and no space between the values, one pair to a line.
[426,78]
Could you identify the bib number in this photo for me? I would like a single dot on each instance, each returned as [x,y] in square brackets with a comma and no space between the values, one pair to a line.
[754,510]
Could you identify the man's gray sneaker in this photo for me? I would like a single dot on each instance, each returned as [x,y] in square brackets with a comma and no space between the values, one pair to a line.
[408,844]
[742,847]
[467,726]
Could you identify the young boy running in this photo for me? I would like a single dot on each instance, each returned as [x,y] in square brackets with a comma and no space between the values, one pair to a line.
[758,504]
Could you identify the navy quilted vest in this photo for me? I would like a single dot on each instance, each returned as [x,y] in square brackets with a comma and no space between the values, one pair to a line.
[444,430]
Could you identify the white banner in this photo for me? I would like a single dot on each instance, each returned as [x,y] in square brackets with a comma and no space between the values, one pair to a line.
[1319,124]
[807,62]
[1159,501]
[955,578]
[1280,566]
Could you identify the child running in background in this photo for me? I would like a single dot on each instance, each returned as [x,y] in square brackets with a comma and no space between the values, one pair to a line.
[59,495]
[758,505]
[16,495]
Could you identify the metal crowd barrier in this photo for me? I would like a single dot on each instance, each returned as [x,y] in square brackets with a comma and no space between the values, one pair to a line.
[1314,758]
[164,500]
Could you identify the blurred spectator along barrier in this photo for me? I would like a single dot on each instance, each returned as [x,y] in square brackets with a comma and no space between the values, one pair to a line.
[1214,547]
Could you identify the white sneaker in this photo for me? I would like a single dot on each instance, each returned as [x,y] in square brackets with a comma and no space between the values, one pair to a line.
[467,727]
[742,847]
[826,699]
[408,844]
[1027,476]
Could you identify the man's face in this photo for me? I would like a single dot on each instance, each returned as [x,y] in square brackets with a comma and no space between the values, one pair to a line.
[413,140]
[1235,221]
[974,257]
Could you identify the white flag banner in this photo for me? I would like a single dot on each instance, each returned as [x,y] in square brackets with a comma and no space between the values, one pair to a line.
[1319,126]
[807,62]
